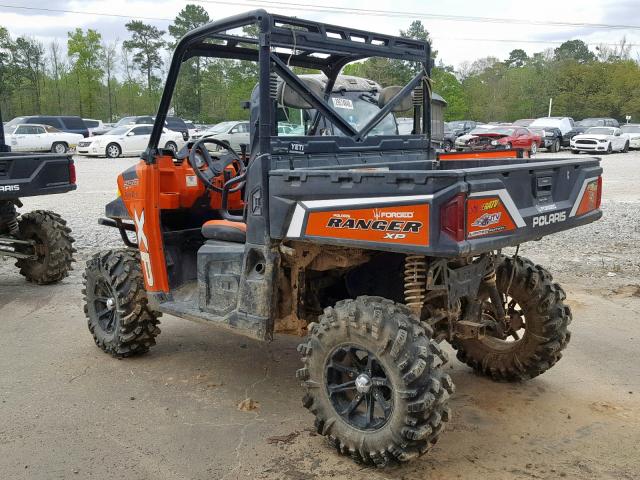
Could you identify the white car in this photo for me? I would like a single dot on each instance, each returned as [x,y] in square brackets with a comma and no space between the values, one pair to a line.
[193,130]
[632,131]
[234,133]
[40,138]
[600,139]
[128,141]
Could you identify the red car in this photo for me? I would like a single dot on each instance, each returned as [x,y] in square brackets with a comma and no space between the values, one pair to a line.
[511,137]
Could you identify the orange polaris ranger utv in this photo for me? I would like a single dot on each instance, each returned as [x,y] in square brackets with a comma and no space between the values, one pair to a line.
[343,231]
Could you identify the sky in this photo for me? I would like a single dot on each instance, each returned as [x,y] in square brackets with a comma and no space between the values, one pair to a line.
[516,24]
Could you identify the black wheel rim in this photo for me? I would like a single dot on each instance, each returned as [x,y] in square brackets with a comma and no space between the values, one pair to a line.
[504,334]
[105,307]
[359,387]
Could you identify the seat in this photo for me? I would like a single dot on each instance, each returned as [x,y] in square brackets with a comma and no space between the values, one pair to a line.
[225,231]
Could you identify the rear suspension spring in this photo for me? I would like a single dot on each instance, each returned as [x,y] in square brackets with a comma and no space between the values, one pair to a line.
[415,282]
[8,218]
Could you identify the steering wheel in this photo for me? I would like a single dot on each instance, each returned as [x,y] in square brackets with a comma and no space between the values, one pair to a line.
[214,168]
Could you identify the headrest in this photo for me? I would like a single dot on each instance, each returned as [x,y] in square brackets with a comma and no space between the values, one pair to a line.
[288,97]
[388,93]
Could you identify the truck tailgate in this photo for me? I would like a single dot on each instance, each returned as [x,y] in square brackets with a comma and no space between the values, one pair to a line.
[516,203]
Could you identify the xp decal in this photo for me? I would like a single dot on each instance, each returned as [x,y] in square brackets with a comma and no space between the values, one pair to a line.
[143,245]
[407,224]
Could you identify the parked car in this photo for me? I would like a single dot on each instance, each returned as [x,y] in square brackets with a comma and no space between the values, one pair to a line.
[449,141]
[462,127]
[506,137]
[93,125]
[523,122]
[40,138]
[128,141]
[587,123]
[177,125]
[193,130]
[632,130]
[462,141]
[600,139]
[566,125]
[551,138]
[68,124]
[124,122]
[234,133]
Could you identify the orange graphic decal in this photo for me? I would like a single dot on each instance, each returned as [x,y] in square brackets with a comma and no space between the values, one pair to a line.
[589,199]
[406,224]
[487,216]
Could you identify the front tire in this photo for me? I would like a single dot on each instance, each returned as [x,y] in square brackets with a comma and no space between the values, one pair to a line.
[374,381]
[536,304]
[609,149]
[555,146]
[59,148]
[53,247]
[534,148]
[119,317]
[626,148]
[113,150]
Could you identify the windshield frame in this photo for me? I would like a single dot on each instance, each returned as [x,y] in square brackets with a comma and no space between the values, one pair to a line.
[625,128]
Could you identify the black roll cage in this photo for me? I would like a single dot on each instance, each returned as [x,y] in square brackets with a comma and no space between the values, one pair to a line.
[312,45]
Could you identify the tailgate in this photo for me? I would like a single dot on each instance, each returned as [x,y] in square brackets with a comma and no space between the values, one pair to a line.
[510,204]
[25,175]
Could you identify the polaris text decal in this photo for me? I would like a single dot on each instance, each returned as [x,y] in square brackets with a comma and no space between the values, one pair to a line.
[551,218]
[9,188]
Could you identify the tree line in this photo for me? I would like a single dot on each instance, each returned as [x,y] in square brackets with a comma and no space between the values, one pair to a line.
[108,80]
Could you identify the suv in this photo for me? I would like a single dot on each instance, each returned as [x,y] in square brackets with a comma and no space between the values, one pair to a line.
[93,125]
[583,125]
[69,124]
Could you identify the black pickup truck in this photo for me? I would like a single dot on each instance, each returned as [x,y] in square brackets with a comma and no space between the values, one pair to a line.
[40,240]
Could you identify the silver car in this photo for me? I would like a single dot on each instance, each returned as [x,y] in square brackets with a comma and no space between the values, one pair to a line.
[233,133]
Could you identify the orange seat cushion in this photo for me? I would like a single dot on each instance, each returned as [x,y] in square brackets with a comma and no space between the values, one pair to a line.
[225,231]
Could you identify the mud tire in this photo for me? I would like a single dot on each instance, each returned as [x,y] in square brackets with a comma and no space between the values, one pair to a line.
[546,333]
[413,363]
[135,325]
[53,237]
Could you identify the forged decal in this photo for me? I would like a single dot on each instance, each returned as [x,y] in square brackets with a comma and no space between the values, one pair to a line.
[406,224]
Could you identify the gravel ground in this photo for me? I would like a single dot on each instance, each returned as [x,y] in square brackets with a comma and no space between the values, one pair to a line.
[69,411]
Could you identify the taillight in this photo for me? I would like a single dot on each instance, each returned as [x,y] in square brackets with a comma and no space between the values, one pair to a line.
[452,217]
[599,194]
[72,173]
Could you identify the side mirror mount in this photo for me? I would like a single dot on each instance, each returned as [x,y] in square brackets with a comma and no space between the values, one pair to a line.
[130,134]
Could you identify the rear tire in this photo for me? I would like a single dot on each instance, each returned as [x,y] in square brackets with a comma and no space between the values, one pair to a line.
[448,146]
[113,150]
[403,368]
[119,317]
[545,318]
[54,247]
[59,148]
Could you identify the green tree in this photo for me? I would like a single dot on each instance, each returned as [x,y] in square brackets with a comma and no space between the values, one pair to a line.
[189,88]
[517,58]
[86,52]
[146,43]
[574,50]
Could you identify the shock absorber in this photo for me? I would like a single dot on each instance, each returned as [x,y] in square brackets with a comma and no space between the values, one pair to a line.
[8,218]
[415,282]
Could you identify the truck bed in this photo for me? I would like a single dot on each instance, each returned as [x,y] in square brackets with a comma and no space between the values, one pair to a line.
[31,174]
[448,208]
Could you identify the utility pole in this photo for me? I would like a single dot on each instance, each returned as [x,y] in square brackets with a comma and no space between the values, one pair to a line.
[550,104]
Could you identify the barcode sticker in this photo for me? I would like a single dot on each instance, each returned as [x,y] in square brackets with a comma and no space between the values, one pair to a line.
[344,103]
